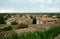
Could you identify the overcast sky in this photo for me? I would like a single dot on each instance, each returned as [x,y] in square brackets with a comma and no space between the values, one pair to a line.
[29,5]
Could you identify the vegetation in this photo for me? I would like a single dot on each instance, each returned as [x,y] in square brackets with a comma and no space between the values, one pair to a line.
[4,17]
[46,34]
[22,26]
[13,35]
[20,15]
[31,17]
[2,20]
[34,20]
[14,23]
[8,16]
[6,28]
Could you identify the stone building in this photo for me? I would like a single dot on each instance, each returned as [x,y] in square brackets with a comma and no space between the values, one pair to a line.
[46,20]
[19,20]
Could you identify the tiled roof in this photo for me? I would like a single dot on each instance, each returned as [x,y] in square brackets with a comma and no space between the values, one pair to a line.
[46,19]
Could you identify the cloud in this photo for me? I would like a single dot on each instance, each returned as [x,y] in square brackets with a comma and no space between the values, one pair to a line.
[41,1]
[30,10]
[51,10]
[30,6]
[15,1]
[36,1]
[50,1]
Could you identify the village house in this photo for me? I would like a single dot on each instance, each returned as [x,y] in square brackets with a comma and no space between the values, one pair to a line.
[19,20]
[46,19]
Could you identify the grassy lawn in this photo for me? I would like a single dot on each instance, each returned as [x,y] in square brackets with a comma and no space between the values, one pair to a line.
[46,34]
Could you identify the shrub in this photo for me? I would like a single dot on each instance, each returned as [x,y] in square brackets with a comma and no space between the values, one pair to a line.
[22,26]
[6,28]
[31,17]
[20,15]
[14,23]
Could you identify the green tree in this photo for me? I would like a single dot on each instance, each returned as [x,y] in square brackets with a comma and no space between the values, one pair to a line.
[34,20]
[2,20]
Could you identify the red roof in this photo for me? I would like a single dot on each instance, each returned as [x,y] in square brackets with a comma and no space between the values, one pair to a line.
[46,19]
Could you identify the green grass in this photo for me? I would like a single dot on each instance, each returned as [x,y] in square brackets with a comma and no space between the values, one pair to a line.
[46,34]
[13,35]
